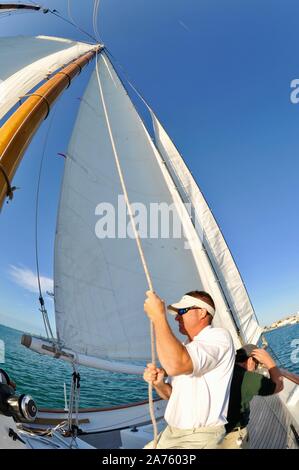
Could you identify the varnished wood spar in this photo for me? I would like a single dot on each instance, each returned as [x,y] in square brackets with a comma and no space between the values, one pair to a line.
[289,375]
[18,6]
[18,131]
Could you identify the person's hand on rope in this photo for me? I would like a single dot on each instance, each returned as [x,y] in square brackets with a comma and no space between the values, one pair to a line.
[154,375]
[154,306]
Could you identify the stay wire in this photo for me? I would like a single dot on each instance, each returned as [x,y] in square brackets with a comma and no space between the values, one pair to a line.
[72,24]
[38,189]
[71,21]
[128,79]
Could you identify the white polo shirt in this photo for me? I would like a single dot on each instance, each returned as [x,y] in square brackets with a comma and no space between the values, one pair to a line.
[201,398]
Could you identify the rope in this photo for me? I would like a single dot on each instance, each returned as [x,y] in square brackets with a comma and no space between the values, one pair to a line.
[129,80]
[94,19]
[43,310]
[55,12]
[138,241]
[73,21]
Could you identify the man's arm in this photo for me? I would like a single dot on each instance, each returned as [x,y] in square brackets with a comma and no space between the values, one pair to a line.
[173,356]
[156,376]
[275,375]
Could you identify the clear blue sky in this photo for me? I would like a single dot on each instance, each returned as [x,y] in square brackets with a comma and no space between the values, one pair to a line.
[217,73]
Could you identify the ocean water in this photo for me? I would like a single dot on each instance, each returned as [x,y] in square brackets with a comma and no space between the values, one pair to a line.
[44,378]
[284,347]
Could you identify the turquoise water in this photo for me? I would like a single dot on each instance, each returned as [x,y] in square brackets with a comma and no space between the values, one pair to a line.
[43,377]
[280,341]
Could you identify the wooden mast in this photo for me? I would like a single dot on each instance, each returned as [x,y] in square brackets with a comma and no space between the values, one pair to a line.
[18,131]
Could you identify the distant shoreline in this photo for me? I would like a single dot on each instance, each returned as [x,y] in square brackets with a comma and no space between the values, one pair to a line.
[291,320]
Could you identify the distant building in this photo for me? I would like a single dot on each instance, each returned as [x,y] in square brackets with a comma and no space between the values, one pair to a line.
[290,320]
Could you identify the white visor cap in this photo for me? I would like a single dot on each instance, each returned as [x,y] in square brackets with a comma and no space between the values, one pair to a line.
[190,301]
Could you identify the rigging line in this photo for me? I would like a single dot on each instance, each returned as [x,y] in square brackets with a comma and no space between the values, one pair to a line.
[97,14]
[55,12]
[43,309]
[94,19]
[129,80]
[137,238]
[74,22]
[11,13]
[69,11]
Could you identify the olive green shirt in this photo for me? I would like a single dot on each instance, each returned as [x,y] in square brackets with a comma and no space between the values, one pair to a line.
[245,385]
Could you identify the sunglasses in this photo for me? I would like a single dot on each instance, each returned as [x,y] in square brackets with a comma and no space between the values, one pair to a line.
[182,311]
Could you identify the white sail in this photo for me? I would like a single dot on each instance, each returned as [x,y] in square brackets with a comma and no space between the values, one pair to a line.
[99,283]
[214,242]
[26,61]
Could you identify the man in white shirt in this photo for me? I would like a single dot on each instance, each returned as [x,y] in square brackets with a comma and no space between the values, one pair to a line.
[200,371]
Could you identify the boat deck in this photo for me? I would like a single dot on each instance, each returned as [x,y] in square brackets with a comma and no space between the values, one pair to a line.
[270,425]
[103,440]
[274,424]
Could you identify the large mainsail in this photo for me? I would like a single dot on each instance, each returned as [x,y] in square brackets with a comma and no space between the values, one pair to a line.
[99,283]
[26,61]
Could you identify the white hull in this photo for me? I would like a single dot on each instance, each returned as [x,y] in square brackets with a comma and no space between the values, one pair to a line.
[101,426]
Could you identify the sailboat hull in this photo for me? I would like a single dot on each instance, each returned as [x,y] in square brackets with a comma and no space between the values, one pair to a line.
[273,425]
[102,428]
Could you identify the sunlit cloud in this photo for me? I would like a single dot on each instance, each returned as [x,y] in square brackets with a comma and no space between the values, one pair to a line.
[27,279]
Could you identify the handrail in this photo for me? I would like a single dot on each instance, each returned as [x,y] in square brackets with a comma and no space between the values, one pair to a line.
[290,376]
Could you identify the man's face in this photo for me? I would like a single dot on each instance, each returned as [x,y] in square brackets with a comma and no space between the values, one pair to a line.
[180,320]
[188,321]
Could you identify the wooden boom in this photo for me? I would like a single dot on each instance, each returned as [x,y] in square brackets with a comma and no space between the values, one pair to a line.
[18,131]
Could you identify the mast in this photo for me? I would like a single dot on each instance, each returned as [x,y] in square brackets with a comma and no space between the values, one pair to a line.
[18,131]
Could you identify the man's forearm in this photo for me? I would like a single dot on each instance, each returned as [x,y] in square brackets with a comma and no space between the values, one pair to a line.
[276,377]
[173,356]
[163,390]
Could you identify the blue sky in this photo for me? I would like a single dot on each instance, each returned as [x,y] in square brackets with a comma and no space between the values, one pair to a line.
[217,73]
